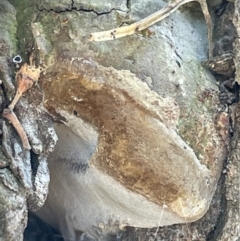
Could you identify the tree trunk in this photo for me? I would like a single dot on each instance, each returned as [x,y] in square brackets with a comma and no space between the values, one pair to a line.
[145,149]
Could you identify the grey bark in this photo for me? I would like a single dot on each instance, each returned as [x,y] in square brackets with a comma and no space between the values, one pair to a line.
[24,174]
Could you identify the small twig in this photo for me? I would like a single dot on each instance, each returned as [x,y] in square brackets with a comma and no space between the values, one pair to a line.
[160,219]
[9,114]
[25,77]
[152,19]
[23,85]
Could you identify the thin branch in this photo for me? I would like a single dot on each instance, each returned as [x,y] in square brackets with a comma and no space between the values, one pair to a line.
[9,114]
[152,19]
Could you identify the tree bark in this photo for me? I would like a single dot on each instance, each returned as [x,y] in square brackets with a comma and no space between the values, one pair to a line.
[166,78]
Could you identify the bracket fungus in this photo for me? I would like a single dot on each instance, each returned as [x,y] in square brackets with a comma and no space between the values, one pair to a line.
[119,156]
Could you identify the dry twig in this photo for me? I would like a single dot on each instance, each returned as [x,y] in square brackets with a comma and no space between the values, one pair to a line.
[152,19]
[26,77]
[9,114]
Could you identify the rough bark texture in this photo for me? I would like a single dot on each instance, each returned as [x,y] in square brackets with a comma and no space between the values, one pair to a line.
[24,174]
[153,140]
[231,217]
